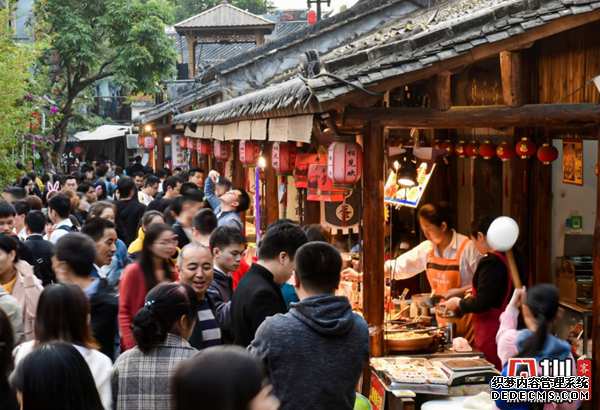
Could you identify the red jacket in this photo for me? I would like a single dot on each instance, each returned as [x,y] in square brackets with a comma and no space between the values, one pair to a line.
[133,290]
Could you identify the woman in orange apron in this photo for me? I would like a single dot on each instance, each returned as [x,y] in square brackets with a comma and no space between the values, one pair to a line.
[449,259]
[492,289]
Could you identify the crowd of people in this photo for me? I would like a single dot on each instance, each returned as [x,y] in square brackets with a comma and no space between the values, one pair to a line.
[136,289]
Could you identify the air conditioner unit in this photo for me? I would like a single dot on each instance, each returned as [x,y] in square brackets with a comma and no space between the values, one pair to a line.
[132,141]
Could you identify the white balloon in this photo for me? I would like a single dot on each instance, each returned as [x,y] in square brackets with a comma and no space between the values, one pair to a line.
[502,234]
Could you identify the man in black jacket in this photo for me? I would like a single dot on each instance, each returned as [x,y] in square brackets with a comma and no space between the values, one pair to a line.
[73,261]
[195,264]
[35,223]
[129,210]
[191,203]
[258,294]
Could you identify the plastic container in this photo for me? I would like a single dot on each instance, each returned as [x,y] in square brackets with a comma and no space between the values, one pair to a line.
[362,403]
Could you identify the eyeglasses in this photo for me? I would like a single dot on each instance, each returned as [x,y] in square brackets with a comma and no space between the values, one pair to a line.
[172,241]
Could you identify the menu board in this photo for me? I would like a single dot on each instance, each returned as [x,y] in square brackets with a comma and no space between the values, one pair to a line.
[178,154]
[410,197]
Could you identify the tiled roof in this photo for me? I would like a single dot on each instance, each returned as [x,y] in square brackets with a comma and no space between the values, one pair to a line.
[438,35]
[225,15]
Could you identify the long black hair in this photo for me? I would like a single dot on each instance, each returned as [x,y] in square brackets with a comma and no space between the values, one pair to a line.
[146,255]
[542,301]
[55,376]
[221,378]
[7,343]
[164,307]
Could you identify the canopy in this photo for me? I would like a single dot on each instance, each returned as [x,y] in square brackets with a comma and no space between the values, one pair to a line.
[103,133]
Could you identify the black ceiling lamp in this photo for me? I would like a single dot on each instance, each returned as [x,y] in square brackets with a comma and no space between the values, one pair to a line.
[407,175]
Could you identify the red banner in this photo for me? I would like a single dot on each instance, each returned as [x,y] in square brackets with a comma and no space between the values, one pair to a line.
[584,368]
[377,395]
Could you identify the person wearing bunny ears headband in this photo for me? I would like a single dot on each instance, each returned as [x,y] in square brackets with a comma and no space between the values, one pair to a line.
[51,188]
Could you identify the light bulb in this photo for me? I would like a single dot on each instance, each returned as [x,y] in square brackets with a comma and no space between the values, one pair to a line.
[262,162]
[148,127]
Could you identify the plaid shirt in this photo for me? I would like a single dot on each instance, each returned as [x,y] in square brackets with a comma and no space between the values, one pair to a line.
[143,381]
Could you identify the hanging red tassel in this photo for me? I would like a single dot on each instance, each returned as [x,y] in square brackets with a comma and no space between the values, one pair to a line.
[463,175]
[506,185]
[487,177]
[473,173]
[525,182]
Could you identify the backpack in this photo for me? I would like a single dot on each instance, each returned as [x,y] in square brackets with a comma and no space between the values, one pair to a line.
[71,228]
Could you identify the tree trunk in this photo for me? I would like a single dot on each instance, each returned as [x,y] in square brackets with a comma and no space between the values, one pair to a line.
[61,133]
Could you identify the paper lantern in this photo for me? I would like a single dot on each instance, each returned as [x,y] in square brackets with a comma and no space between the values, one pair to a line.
[320,186]
[149,142]
[222,150]
[448,146]
[77,150]
[141,140]
[547,154]
[311,16]
[525,148]
[182,142]
[191,144]
[461,149]
[487,150]
[203,147]
[283,157]
[249,152]
[505,151]
[472,149]
[303,162]
[344,163]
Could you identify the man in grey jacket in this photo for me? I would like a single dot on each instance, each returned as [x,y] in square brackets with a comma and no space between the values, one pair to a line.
[315,353]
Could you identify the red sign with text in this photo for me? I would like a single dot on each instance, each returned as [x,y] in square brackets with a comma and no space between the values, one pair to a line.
[377,394]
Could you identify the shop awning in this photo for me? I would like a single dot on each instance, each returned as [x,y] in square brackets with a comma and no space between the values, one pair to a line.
[103,133]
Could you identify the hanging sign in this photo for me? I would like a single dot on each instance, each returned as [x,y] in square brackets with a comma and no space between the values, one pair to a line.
[303,161]
[342,216]
[178,154]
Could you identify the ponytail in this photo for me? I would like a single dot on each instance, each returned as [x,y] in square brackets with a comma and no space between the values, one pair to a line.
[164,307]
[542,301]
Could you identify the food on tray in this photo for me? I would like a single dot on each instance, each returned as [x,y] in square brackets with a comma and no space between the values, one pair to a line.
[404,376]
[406,336]
[434,375]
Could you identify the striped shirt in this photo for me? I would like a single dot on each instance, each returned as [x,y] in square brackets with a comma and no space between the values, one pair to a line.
[211,333]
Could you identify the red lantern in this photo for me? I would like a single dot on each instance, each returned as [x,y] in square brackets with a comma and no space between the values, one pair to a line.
[283,157]
[547,154]
[472,149]
[311,16]
[303,162]
[222,150]
[320,187]
[461,149]
[449,146]
[77,150]
[182,142]
[505,151]
[249,151]
[149,142]
[203,147]
[487,150]
[141,140]
[344,163]
[436,144]
[525,148]
[191,144]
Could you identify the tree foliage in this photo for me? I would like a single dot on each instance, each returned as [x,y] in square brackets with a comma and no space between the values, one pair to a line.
[95,39]
[184,9]
[27,118]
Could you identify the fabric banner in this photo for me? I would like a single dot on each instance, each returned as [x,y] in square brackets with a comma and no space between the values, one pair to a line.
[259,130]
[300,128]
[178,154]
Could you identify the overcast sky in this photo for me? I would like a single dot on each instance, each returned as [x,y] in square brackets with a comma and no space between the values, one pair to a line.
[301,4]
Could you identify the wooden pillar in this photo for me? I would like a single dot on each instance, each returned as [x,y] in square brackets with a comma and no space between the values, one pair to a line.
[192,59]
[512,78]
[160,149]
[193,159]
[541,214]
[312,211]
[440,92]
[596,280]
[271,189]
[373,234]
[239,177]
[259,37]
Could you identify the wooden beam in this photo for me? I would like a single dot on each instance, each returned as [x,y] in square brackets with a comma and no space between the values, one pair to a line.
[192,56]
[440,92]
[160,149]
[535,115]
[512,78]
[373,235]
[475,54]
[596,280]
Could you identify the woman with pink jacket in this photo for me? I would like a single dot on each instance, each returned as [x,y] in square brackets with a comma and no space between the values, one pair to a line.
[540,310]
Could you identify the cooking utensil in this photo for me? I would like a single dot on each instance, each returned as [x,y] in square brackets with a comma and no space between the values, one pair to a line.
[432,293]
[410,344]
[425,300]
